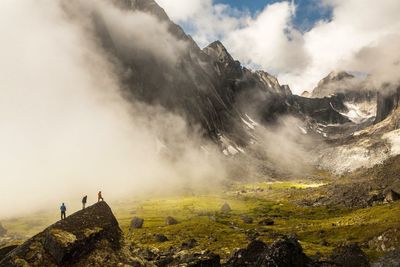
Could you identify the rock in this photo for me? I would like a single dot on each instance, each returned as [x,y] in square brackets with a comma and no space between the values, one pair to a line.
[226,208]
[285,252]
[136,223]
[246,219]
[391,196]
[189,244]
[203,259]
[323,243]
[5,250]
[389,259]
[248,256]
[170,221]
[349,256]
[266,222]
[3,231]
[160,238]
[81,236]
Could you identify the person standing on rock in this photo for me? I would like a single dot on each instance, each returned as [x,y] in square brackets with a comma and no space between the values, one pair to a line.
[84,201]
[63,210]
[99,197]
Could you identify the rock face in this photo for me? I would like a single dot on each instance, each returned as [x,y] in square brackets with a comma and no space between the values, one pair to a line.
[334,83]
[391,196]
[285,252]
[387,102]
[70,241]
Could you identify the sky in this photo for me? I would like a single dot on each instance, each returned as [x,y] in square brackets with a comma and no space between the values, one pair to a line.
[299,41]
[308,12]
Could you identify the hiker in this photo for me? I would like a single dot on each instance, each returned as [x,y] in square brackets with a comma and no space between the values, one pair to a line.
[99,197]
[84,201]
[63,209]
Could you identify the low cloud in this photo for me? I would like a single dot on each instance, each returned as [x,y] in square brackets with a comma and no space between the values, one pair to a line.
[270,41]
[66,129]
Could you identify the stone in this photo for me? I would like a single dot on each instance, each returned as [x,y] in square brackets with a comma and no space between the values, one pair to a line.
[160,238]
[391,196]
[246,219]
[202,259]
[285,252]
[226,208]
[266,222]
[136,223]
[191,243]
[170,221]
[349,255]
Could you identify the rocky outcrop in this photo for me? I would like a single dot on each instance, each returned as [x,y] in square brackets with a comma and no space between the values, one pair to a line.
[349,256]
[323,110]
[71,241]
[387,101]
[285,252]
[391,196]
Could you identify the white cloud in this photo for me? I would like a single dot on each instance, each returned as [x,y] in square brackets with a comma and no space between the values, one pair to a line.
[270,41]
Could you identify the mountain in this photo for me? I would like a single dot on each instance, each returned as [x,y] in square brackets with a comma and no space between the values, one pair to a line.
[207,87]
[332,84]
[225,101]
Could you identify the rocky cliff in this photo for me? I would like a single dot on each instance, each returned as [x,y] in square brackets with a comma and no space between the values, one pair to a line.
[82,239]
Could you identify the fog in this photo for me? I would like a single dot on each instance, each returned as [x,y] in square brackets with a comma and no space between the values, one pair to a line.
[66,131]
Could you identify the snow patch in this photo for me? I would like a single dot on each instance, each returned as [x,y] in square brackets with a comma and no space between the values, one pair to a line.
[249,122]
[393,138]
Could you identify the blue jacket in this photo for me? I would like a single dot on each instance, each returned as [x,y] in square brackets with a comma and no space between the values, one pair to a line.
[63,208]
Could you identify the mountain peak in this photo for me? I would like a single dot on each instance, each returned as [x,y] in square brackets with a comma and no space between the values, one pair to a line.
[327,86]
[217,51]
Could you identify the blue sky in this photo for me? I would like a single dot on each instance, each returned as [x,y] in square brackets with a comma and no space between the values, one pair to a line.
[307,14]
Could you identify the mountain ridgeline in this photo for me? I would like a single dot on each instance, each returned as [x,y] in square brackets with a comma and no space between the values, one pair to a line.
[207,87]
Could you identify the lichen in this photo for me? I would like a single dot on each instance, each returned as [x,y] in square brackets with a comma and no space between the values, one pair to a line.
[64,238]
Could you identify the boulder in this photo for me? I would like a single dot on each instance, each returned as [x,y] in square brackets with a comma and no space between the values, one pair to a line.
[191,243]
[266,222]
[248,256]
[285,252]
[66,242]
[170,221]
[391,196]
[202,259]
[136,223]
[349,255]
[160,238]
[246,219]
[226,208]
[3,231]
